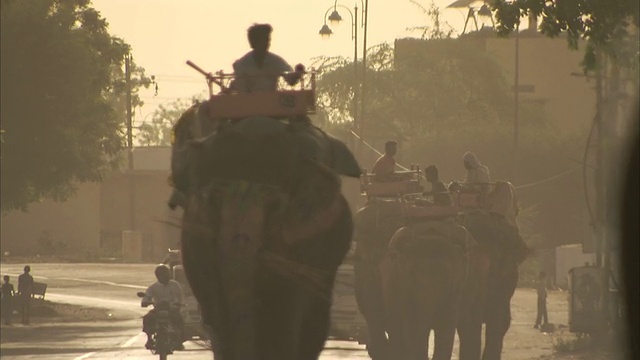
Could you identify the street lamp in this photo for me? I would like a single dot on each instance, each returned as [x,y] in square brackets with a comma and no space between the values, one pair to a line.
[325,32]
[359,88]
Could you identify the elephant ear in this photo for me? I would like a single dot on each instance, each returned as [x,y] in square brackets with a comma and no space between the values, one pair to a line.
[342,160]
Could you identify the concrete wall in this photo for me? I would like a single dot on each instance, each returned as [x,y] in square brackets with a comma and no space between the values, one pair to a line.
[50,226]
[548,65]
[97,214]
[150,212]
[567,257]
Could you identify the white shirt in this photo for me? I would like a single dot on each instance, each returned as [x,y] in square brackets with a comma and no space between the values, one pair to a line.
[264,78]
[158,292]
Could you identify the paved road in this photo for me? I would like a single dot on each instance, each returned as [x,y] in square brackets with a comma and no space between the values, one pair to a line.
[114,286]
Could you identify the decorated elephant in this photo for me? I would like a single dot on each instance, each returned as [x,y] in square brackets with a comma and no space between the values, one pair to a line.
[425,273]
[375,224]
[264,230]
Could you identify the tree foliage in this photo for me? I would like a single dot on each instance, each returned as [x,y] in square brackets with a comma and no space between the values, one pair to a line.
[62,108]
[609,25]
[157,132]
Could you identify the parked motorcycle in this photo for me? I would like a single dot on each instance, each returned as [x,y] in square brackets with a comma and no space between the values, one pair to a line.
[165,336]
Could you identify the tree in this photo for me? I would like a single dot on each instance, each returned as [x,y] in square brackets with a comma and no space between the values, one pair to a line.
[157,132]
[606,25]
[61,86]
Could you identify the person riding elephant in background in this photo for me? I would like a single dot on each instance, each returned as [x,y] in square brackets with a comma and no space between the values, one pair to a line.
[476,172]
[438,189]
[384,167]
[259,69]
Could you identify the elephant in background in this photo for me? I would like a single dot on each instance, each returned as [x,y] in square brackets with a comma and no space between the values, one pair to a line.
[499,252]
[428,268]
[374,225]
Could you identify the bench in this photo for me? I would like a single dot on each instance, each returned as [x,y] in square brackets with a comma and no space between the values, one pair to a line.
[39,289]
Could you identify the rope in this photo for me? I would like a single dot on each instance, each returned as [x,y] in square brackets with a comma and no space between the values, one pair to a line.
[548,179]
[375,150]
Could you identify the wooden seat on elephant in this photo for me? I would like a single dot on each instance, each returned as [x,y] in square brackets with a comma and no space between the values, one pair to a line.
[398,184]
[389,189]
[429,211]
[282,103]
[285,102]
[473,196]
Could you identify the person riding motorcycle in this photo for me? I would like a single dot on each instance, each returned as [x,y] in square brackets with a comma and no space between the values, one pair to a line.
[164,290]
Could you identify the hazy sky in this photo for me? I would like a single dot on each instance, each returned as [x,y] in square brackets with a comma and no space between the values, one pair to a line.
[166,33]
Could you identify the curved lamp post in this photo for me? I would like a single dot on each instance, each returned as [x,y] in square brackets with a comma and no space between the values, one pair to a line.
[335,18]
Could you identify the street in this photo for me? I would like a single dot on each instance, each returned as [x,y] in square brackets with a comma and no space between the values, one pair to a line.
[114,286]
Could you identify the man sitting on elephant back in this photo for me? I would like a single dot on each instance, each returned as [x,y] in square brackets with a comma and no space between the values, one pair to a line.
[501,203]
[384,168]
[259,69]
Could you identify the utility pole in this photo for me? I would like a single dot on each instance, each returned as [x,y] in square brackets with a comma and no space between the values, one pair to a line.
[599,176]
[516,100]
[363,114]
[356,84]
[132,184]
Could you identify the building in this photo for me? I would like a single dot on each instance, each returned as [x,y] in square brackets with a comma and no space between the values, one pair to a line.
[548,71]
[94,219]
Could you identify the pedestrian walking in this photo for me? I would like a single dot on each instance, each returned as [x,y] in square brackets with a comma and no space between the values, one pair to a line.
[6,303]
[25,292]
[541,288]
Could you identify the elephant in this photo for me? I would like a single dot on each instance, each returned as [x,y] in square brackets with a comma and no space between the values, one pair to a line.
[264,230]
[375,224]
[498,254]
[425,272]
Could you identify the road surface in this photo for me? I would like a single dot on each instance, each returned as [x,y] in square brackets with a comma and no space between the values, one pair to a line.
[113,286]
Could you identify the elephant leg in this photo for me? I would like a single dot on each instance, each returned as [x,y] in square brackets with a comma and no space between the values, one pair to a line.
[497,325]
[315,329]
[470,334]
[444,336]
[377,345]
[418,344]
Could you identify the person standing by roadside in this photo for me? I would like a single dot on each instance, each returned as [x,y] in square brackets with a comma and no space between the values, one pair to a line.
[25,291]
[542,301]
[7,300]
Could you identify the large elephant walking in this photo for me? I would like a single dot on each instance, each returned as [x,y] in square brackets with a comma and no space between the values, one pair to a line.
[499,252]
[375,224]
[264,231]
[425,271]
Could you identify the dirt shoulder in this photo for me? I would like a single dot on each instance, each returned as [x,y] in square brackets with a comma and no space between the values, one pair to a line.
[48,312]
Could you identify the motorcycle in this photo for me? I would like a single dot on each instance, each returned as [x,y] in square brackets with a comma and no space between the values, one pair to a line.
[164,336]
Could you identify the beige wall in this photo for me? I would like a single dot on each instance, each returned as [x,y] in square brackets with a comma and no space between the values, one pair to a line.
[98,213]
[548,64]
[151,212]
[545,63]
[74,224]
